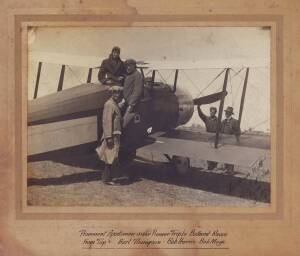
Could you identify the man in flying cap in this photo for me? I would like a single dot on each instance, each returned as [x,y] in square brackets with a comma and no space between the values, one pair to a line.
[211,123]
[112,69]
[112,129]
[133,90]
[230,126]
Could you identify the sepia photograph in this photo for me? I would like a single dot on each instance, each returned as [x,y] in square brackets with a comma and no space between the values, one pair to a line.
[149,116]
[161,127]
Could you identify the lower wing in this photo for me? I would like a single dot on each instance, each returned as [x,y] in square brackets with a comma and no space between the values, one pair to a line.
[53,136]
[204,149]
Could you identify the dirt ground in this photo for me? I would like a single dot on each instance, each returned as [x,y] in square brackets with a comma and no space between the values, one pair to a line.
[74,180]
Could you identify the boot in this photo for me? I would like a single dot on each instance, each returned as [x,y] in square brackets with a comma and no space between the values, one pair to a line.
[106,174]
[229,169]
[211,165]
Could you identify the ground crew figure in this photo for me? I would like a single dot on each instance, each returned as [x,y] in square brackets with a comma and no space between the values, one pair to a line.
[133,90]
[112,69]
[230,126]
[210,122]
[112,127]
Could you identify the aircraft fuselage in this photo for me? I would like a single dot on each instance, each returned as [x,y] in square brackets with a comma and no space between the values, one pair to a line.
[69,111]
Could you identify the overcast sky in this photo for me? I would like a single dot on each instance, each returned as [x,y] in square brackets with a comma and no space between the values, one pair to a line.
[208,50]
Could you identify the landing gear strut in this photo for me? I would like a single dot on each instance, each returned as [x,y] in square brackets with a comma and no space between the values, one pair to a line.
[181,164]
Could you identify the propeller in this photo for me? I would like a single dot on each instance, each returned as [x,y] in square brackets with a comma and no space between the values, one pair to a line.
[141,62]
[208,99]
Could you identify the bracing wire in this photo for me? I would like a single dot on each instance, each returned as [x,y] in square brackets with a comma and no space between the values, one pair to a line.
[74,74]
[253,86]
[201,92]
[231,90]
[236,73]
[172,71]
[149,71]
[191,81]
[162,78]
[238,89]
[234,97]
[255,126]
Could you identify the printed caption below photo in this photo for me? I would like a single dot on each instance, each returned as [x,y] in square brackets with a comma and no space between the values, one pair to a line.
[155,238]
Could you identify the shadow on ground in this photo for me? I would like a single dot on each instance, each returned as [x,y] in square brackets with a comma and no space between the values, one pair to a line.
[219,183]
[161,172]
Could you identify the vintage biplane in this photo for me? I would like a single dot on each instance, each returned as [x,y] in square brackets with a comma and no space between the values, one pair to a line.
[72,117]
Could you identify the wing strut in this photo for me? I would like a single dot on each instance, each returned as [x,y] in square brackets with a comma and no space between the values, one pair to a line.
[152,81]
[175,80]
[89,77]
[142,72]
[37,80]
[243,96]
[221,106]
[61,78]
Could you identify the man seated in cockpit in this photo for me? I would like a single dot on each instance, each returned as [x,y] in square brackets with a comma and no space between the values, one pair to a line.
[112,69]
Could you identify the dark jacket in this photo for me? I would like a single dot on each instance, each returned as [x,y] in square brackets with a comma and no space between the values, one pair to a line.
[210,122]
[133,88]
[230,126]
[111,119]
[111,69]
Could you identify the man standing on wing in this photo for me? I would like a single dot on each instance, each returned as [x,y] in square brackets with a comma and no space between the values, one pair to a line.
[112,69]
[112,127]
[133,90]
[230,126]
[211,123]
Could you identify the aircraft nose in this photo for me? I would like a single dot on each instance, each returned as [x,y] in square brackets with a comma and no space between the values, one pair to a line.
[185,106]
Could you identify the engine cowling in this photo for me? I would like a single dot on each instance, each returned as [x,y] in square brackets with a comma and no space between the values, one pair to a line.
[170,109]
[186,106]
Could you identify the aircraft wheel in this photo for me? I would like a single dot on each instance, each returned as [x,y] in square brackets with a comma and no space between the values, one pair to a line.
[181,164]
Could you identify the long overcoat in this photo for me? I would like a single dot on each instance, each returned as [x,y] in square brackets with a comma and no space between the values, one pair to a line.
[112,128]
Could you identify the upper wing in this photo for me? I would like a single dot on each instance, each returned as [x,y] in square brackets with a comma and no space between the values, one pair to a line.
[66,59]
[207,64]
[78,99]
[94,61]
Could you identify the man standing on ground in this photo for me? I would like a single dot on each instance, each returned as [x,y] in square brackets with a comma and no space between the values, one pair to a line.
[210,122]
[230,126]
[112,69]
[112,127]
